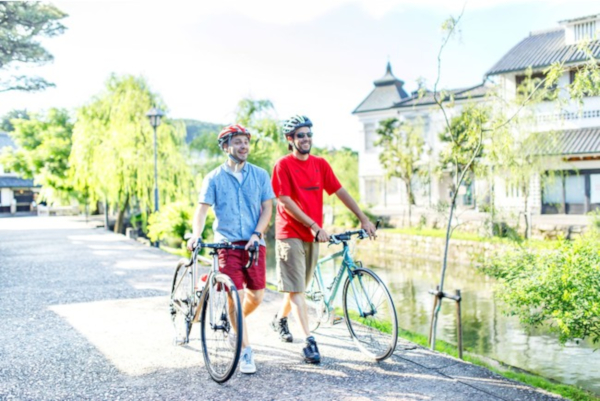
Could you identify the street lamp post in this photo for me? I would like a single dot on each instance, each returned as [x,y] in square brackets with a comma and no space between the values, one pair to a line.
[154,115]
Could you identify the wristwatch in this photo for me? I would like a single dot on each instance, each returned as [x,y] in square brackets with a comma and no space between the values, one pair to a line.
[258,234]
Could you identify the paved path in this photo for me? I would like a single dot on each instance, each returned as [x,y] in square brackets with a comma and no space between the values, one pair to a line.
[83,315]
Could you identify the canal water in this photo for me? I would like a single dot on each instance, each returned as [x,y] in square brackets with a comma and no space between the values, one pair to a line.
[486,329]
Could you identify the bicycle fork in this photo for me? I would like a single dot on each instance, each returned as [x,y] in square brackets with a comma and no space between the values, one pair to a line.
[353,275]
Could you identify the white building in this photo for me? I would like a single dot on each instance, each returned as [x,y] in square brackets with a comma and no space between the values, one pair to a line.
[575,153]
[16,194]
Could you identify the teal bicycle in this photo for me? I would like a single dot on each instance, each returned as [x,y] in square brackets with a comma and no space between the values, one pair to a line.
[367,305]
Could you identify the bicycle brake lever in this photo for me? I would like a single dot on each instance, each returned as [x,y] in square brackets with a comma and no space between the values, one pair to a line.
[256,253]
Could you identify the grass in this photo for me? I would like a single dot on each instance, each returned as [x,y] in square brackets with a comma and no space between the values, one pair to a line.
[459,235]
[437,233]
[565,390]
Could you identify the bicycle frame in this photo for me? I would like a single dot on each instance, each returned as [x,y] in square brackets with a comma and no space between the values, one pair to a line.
[211,274]
[347,266]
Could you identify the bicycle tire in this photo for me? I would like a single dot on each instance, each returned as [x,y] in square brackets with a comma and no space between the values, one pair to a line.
[182,302]
[375,332]
[220,358]
[318,312]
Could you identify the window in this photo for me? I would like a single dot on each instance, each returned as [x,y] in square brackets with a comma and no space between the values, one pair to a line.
[372,190]
[536,78]
[392,186]
[570,192]
[573,73]
[512,190]
[370,137]
[585,31]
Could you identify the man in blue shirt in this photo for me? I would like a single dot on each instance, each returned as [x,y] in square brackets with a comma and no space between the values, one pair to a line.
[242,198]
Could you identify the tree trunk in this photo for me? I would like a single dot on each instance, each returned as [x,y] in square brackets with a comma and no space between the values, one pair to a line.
[119,229]
[525,211]
[106,214]
[409,196]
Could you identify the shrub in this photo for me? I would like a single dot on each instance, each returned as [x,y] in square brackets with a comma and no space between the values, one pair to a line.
[171,223]
[559,286]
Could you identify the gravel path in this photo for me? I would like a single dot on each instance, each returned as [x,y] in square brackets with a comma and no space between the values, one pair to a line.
[84,315]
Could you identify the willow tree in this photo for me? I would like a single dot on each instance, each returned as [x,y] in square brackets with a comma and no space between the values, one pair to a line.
[267,141]
[402,146]
[112,152]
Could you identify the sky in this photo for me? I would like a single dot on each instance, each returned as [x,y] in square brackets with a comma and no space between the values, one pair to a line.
[313,57]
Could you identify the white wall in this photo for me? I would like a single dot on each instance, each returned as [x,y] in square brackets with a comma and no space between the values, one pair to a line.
[6,197]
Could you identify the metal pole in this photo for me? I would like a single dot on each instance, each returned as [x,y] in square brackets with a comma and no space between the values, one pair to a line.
[155,175]
[436,299]
[155,179]
[459,324]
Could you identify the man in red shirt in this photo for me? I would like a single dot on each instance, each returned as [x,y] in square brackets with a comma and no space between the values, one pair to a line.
[299,180]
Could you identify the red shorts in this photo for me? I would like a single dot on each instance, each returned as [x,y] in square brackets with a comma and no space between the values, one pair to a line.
[232,262]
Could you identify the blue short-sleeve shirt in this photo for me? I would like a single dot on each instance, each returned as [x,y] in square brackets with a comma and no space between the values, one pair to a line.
[237,205]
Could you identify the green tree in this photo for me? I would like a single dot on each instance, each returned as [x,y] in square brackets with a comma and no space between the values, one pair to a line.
[513,149]
[267,142]
[344,163]
[401,146]
[485,126]
[6,124]
[111,158]
[44,146]
[22,24]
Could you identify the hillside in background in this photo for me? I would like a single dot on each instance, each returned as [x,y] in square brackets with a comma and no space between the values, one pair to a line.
[195,128]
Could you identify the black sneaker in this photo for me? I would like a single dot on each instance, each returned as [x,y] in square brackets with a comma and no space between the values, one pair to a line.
[311,351]
[281,326]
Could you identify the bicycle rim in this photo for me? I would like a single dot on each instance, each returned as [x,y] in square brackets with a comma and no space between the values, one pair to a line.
[221,335]
[181,303]
[370,314]
[317,309]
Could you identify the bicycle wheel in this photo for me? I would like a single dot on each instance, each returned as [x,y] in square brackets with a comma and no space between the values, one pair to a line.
[221,328]
[370,314]
[318,312]
[182,302]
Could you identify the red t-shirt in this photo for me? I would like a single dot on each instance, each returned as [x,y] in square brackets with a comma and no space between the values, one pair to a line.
[304,182]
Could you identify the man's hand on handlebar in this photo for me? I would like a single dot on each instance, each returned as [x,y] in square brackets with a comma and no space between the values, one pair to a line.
[253,240]
[369,228]
[191,244]
[320,234]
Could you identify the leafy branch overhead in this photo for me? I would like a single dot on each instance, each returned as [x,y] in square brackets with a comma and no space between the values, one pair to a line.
[22,24]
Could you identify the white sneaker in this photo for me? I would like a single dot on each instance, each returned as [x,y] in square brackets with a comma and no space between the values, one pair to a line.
[247,361]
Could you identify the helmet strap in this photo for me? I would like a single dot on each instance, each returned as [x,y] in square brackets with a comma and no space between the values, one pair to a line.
[293,143]
[231,157]
[303,152]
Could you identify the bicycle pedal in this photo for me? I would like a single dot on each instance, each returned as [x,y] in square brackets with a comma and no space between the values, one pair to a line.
[336,320]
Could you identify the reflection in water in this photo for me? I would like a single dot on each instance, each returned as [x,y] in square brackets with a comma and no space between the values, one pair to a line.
[486,330]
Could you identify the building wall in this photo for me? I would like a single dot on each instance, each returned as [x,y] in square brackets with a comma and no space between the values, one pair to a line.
[547,116]
[6,196]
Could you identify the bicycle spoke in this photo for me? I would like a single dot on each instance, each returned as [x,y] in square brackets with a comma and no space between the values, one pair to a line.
[370,314]
[318,312]
[220,325]
[181,303]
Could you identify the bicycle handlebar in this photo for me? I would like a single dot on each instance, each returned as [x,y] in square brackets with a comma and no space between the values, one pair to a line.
[346,236]
[252,251]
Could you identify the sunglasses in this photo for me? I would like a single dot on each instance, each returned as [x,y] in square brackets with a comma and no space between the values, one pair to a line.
[301,135]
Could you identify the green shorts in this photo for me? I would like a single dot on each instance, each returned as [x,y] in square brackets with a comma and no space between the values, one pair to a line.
[296,261]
